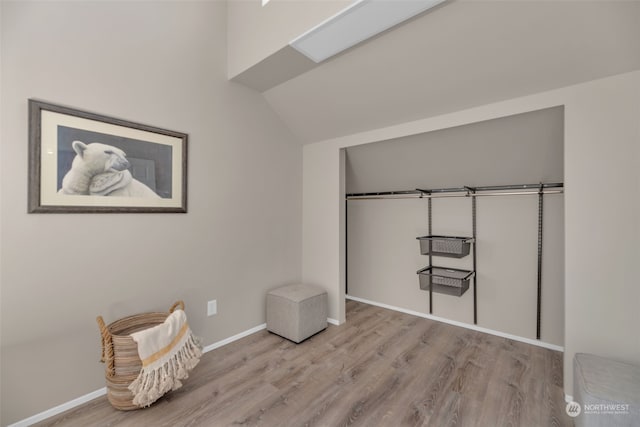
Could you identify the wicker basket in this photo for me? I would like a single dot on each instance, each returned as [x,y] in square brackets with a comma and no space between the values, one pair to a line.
[120,354]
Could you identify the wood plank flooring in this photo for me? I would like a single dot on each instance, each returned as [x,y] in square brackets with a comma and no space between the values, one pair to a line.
[381,368]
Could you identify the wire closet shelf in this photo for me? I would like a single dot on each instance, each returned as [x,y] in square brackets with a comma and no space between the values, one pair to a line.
[465,191]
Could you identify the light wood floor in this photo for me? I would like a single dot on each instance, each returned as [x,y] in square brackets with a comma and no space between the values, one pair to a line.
[381,368]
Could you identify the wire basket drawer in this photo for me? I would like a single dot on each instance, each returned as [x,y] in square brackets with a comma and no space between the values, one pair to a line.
[450,281]
[447,246]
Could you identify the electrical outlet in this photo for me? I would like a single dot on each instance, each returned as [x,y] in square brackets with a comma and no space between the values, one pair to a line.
[212,307]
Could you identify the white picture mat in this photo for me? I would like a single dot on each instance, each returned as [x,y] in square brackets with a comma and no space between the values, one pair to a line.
[49,195]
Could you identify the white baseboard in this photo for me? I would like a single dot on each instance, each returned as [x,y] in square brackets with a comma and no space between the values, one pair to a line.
[333,321]
[234,338]
[94,394]
[461,324]
[60,408]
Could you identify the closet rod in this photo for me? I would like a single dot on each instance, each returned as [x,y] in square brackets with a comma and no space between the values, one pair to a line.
[418,195]
[419,192]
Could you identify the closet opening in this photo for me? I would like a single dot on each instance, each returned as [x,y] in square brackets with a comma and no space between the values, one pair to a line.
[464,224]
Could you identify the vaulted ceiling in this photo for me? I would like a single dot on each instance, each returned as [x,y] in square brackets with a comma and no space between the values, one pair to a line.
[463,54]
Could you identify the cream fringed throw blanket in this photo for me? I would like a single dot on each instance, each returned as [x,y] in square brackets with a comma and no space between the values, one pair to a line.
[168,352]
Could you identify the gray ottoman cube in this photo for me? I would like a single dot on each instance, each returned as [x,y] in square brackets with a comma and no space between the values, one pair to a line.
[296,312]
[607,391]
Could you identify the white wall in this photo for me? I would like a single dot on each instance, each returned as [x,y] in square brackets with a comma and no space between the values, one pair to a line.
[163,64]
[519,149]
[257,32]
[324,183]
[602,154]
[602,207]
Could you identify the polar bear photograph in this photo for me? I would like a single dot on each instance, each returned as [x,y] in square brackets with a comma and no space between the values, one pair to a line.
[102,170]
[98,164]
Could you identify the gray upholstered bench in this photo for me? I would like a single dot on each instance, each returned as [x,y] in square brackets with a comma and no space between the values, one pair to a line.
[296,312]
[607,391]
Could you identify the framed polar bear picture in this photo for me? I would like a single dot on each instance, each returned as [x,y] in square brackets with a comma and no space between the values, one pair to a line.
[82,162]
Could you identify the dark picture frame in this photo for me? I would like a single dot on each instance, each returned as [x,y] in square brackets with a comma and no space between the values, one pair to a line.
[83,162]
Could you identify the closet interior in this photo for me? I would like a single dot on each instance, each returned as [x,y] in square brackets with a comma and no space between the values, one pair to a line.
[478,246]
